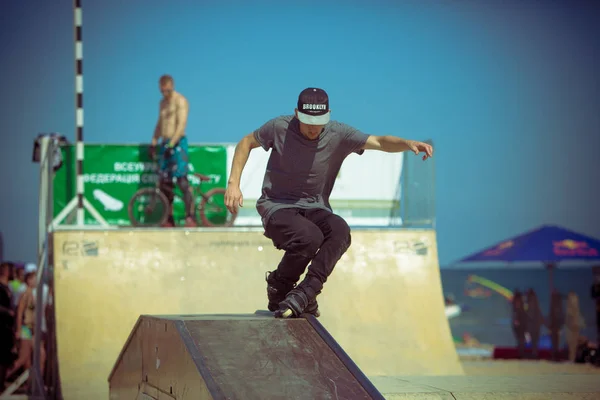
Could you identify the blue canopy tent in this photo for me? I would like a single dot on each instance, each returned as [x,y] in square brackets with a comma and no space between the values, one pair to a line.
[548,244]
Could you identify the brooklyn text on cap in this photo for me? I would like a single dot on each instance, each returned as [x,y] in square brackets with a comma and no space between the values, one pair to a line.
[313,107]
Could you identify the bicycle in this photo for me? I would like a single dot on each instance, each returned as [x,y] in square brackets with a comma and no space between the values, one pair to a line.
[211,207]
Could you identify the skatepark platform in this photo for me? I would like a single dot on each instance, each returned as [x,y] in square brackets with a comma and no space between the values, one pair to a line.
[383,305]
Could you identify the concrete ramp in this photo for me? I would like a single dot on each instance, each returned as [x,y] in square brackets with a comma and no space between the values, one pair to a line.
[383,303]
[214,357]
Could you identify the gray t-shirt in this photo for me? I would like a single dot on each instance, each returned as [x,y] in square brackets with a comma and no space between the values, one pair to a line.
[301,172]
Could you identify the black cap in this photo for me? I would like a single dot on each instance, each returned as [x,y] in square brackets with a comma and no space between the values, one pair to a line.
[313,106]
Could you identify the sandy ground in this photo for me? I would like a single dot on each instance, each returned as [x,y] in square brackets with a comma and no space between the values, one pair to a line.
[525,367]
[498,379]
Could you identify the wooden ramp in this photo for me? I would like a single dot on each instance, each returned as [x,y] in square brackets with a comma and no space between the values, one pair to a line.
[383,303]
[245,356]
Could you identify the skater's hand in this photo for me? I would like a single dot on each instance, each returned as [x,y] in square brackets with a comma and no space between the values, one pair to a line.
[418,147]
[233,198]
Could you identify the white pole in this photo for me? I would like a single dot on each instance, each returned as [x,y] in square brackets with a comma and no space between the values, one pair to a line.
[79,111]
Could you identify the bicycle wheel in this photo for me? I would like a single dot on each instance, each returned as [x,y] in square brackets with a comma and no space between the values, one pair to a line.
[148,207]
[212,209]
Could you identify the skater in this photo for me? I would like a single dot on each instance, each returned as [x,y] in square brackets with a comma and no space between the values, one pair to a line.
[307,151]
[170,129]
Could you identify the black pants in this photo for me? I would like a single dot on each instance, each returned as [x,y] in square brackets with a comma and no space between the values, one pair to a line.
[305,235]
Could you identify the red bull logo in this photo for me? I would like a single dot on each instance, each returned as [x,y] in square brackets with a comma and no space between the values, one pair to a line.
[574,248]
[499,249]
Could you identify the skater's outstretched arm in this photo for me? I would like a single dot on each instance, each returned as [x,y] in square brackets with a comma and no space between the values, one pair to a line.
[393,144]
[233,194]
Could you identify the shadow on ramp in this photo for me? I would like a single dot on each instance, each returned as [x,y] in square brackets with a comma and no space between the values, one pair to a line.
[235,356]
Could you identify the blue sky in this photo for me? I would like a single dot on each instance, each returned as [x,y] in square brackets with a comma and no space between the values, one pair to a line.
[509,92]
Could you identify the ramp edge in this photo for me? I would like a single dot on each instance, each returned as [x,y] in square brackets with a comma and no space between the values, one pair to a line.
[198,358]
[124,347]
[343,357]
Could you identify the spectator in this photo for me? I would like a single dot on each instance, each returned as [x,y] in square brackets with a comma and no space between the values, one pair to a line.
[574,324]
[7,341]
[556,322]
[595,289]
[25,323]
[535,321]
[587,352]
[519,321]
[17,277]
[19,287]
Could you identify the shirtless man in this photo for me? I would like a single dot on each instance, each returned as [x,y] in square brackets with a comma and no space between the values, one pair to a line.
[173,151]
[307,151]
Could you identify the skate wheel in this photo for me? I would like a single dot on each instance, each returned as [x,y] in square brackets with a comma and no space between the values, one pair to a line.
[287,313]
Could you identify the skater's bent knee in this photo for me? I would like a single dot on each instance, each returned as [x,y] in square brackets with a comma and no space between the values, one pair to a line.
[340,229]
[311,242]
[306,242]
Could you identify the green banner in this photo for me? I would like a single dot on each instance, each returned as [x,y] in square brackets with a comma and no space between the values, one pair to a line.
[113,173]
